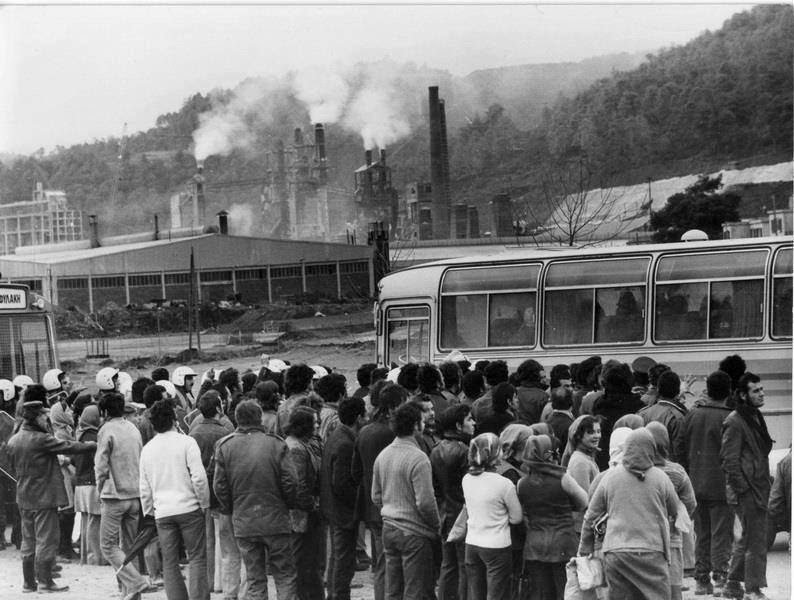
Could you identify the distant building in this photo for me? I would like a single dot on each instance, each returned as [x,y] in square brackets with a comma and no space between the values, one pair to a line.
[46,219]
[777,221]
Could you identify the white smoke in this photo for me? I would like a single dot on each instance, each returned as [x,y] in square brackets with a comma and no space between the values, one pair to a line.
[324,92]
[241,220]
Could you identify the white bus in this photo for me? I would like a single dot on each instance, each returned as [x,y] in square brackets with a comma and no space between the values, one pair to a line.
[27,334]
[687,305]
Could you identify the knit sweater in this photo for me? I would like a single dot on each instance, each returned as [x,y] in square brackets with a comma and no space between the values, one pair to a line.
[116,461]
[402,485]
[492,504]
[172,477]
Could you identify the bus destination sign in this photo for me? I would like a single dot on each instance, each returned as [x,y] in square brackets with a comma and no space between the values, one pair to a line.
[13,298]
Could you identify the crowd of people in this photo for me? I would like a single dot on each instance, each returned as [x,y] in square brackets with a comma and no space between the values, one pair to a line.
[471,481]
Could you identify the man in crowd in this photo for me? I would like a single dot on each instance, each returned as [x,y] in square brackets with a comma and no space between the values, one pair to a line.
[402,485]
[255,483]
[698,448]
[745,460]
[33,452]
[338,495]
[174,488]
[117,478]
[668,409]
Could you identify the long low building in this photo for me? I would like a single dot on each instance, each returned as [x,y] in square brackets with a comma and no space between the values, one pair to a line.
[253,270]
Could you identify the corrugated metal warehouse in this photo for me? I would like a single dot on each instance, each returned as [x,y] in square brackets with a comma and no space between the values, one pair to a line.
[258,270]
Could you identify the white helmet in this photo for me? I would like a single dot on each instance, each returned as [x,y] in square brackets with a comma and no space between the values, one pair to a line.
[104,379]
[22,381]
[170,390]
[125,384]
[319,372]
[7,387]
[179,374]
[51,380]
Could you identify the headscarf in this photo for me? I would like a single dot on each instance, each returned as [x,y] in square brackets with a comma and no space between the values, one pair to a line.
[541,429]
[513,438]
[566,455]
[632,421]
[617,443]
[62,421]
[89,421]
[639,453]
[661,441]
[484,453]
[539,456]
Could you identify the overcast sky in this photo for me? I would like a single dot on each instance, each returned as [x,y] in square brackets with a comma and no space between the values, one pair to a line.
[69,74]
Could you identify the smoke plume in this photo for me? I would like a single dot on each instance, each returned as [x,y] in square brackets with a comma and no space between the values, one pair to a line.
[323,91]
[241,220]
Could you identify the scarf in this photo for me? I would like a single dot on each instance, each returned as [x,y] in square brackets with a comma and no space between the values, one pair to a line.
[639,453]
[484,453]
[617,442]
[539,457]
[89,421]
[513,438]
[661,442]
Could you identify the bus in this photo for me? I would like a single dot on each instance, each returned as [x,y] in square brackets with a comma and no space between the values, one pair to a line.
[27,335]
[686,304]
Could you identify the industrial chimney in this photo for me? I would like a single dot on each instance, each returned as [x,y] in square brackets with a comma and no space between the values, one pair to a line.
[368,157]
[223,222]
[319,143]
[93,229]
[383,157]
[198,195]
[439,165]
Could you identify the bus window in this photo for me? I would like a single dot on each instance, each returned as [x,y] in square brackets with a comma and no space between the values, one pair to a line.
[714,307]
[595,302]
[781,295]
[408,335]
[489,307]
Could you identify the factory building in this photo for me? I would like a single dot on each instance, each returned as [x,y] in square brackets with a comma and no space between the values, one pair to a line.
[138,269]
[45,219]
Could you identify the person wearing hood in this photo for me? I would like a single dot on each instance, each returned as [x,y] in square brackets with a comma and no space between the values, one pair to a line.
[617,444]
[449,460]
[86,497]
[548,496]
[640,502]
[745,461]
[686,507]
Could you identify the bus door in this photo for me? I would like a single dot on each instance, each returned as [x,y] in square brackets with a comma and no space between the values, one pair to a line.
[407,334]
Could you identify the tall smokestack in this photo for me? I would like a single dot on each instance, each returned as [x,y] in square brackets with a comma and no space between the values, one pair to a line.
[93,228]
[198,195]
[156,227]
[438,171]
[368,157]
[319,140]
[383,157]
[223,222]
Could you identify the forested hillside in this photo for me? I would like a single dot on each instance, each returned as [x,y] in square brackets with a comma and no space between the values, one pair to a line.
[725,96]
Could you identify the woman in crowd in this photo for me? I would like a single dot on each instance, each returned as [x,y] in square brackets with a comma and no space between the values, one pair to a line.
[86,498]
[583,438]
[639,502]
[62,420]
[308,536]
[548,495]
[492,505]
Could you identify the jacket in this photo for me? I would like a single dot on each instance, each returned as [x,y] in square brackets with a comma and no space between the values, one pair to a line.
[371,440]
[207,433]
[34,459]
[84,463]
[612,407]
[745,462]
[255,482]
[450,461]
[531,400]
[697,447]
[118,456]
[337,486]
[307,471]
[669,413]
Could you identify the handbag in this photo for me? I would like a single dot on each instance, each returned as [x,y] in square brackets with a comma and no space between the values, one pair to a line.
[590,572]
[459,527]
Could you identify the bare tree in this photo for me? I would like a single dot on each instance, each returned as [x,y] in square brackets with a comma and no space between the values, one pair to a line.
[575,206]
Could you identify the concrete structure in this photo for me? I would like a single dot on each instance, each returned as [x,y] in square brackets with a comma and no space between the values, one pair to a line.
[776,222]
[376,199]
[46,219]
[136,270]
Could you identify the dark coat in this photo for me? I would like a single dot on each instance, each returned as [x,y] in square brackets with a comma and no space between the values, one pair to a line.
[531,400]
[34,459]
[338,489]
[207,433]
[307,470]
[611,407]
[697,447]
[745,461]
[669,413]
[84,463]
[255,482]
[371,440]
[449,460]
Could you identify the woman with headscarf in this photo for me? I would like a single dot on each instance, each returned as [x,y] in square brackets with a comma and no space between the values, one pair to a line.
[86,498]
[631,421]
[492,505]
[687,504]
[639,502]
[583,437]
[62,421]
[548,496]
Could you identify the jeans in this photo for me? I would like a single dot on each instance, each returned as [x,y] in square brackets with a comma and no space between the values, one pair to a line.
[452,581]
[378,561]
[271,553]
[713,539]
[188,529]
[343,547]
[409,565]
[748,556]
[119,521]
[40,536]
[230,559]
[545,580]
[489,572]
[309,549]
